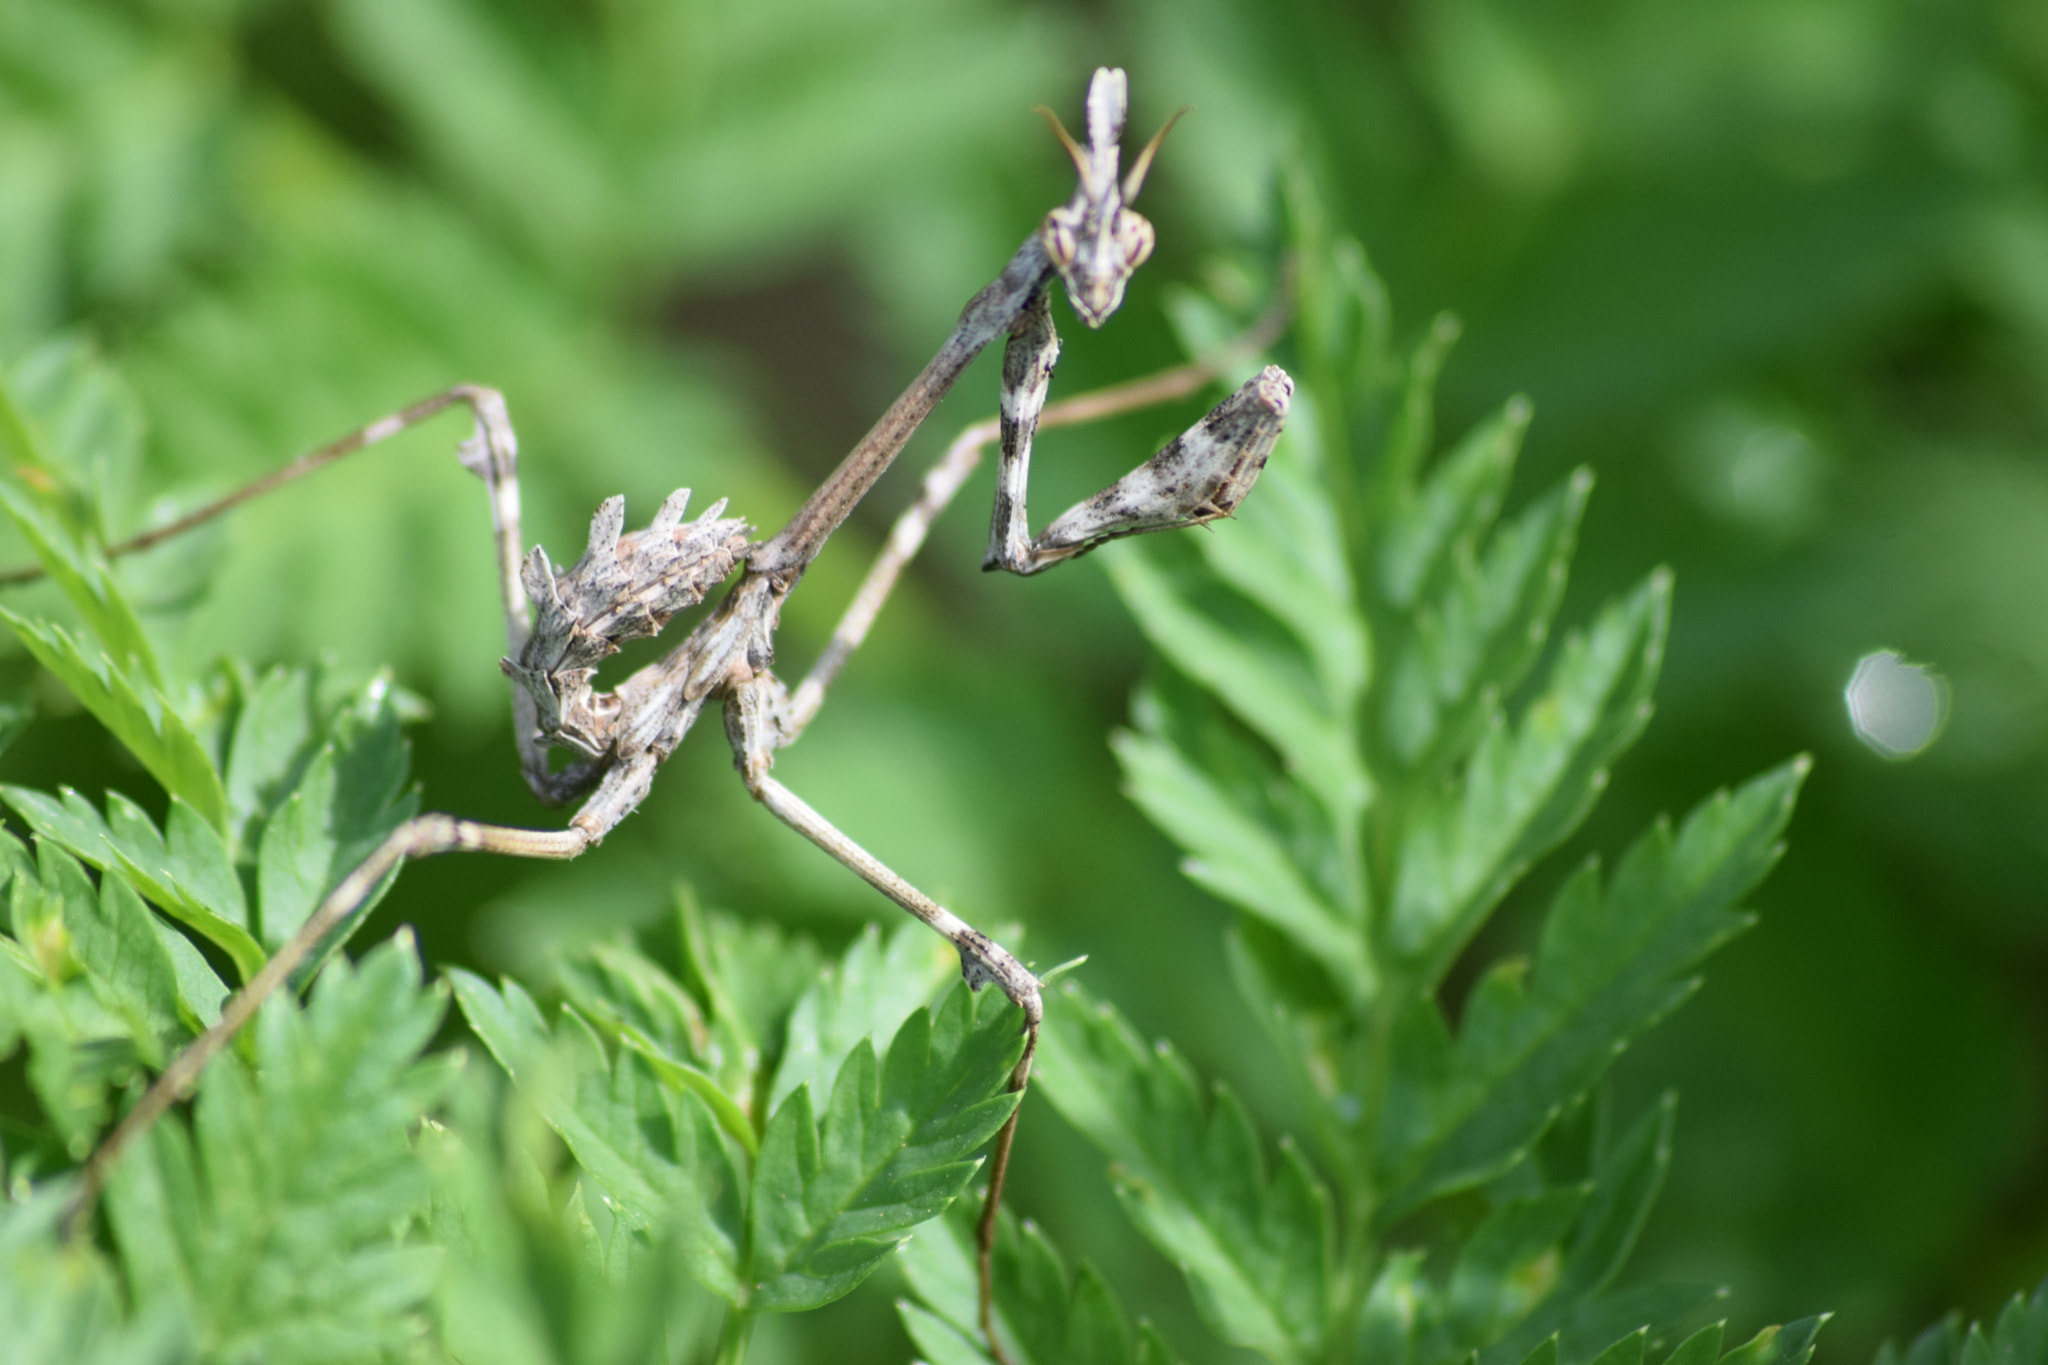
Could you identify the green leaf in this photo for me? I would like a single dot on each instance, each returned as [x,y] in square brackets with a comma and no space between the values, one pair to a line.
[534,1278]
[350,798]
[652,1146]
[1611,963]
[187,875]
[1457,504]
[1400,1305]
[748,973]
[2019,1336]
[1256,1248]
[201,992]
[1044,1315]
[276,1222]
[67,415]
[617,987]
[1285,552]
[831,1199]
[86,1033]
[115,937]
[1240,858]
[1272,689]
[1791,1344]
[1475,640]
[868,994]
[135,713]
[1525,789]
[276,734]
[98,984]
[73,430]
[730,1116]
[1412,428]
[62,1303]
[88,584]
[633,1002]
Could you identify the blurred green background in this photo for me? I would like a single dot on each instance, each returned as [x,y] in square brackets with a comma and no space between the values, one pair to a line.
[1777,269]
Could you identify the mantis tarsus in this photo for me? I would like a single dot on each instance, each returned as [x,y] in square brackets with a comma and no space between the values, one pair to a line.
[561,623]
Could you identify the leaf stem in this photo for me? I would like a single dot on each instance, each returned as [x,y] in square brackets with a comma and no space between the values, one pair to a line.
[734,1335]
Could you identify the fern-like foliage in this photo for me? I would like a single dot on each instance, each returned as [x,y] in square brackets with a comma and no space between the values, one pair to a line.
[276,1224]
[1363,732]
[1046,1315]
[786,1205]
[752,1119]
[2018,1337]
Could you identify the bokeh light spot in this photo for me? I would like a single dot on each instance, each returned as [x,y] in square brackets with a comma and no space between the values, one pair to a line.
[1753,469]
[1897,708]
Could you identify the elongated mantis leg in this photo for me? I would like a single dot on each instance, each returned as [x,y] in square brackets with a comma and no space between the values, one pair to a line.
[943,481]
[421,837]
[491,453]
[1201,476]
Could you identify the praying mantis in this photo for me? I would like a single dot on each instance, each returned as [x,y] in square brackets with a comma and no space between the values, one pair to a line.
[562,622]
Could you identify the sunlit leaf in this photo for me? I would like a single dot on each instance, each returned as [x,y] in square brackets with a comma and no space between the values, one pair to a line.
[133,711]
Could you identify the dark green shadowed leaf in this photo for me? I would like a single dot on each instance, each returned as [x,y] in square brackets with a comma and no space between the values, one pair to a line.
[1627,1351]
[1044,1315]
[15,718]
[2019,1336]
[1504,1268]
[1255,1245]
[1791,1344]
[1624,1185]
[832,1198]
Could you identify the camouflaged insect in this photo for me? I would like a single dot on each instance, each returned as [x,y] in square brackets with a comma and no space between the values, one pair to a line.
[625,587]
[560,625]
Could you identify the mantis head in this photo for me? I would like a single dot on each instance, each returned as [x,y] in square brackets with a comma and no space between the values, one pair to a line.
[1094,241]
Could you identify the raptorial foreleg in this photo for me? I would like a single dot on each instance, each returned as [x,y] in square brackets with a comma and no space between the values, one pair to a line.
[1201,476]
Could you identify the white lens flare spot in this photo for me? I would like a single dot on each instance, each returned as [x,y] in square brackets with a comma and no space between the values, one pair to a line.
[1897,708]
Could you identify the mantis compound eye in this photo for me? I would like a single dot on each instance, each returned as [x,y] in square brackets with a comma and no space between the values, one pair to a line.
[1134,237]
[1058,239]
